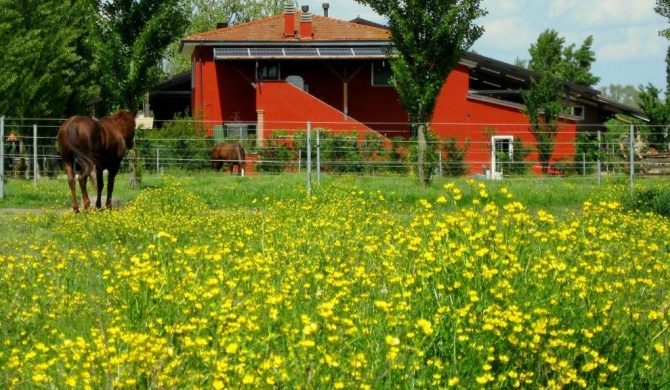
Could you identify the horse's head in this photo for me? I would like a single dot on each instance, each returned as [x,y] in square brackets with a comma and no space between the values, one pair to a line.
[126,125]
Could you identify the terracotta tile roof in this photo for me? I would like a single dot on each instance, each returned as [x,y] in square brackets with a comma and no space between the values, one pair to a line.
[271,29]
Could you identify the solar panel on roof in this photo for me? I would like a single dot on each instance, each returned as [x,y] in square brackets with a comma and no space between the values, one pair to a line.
[231,52]
[369,51]
[301,51]
[266,52]
[336,51]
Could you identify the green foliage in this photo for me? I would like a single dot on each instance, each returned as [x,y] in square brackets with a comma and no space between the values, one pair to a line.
[663,8]
[588,150]
[276,153]
[658,113]
[543,107]
[132,38]
[649,199]
[453,163]
[398,156]
[46,58]
[181,143]
[626,94]
[548,56]
[339,152]
[545,99]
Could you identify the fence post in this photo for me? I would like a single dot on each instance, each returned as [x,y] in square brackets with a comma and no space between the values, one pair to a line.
[309,159]
[35,156]
[598,167]
[632,159]
[2,157]
[318,157]
[439,158]
[158,160]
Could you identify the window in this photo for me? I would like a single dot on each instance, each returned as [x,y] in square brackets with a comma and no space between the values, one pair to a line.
[503,144]
[577,111]
[268,72]
[381,73]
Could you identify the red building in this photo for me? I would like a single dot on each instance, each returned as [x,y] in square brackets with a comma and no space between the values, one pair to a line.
[281,72]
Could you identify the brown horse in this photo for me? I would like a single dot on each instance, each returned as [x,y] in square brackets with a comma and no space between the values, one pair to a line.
[233,154]
[95,145]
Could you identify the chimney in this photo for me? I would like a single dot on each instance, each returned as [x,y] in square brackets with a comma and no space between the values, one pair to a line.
[289,19]
[325,9]
[305,23]
[221,25]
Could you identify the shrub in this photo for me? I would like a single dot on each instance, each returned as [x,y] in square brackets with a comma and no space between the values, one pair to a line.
[181,143]
[454,157]
[653,199]
[276,154]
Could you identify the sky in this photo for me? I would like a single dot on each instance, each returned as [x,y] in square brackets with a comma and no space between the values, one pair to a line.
[628,49]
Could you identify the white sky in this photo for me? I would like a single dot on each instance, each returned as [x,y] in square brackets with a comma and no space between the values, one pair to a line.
[625,32]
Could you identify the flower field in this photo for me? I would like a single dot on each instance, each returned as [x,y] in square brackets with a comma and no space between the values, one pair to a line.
[342,290]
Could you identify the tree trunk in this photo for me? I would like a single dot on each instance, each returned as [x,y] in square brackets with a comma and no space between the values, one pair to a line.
[132,165]
[421,148]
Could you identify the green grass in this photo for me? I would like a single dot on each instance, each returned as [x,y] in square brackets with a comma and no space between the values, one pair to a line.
[220,191]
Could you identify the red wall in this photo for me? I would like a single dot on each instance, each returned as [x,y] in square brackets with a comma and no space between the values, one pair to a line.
[290,108]
[458,116]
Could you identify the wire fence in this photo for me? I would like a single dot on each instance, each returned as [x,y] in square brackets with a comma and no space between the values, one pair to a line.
[28,150]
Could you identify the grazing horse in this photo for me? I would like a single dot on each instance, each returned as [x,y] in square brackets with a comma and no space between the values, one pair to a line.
[233,154]
[95,145]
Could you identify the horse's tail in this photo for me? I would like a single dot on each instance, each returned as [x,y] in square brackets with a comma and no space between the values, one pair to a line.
[80,149]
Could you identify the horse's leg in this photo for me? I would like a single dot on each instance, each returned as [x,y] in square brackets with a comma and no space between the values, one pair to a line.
[69,171]
[111,177]
[84,192]
[99,187]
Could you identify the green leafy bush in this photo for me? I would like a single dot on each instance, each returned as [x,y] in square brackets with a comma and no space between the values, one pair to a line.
[453,155]
[651,199]
[276,154]
[182,143]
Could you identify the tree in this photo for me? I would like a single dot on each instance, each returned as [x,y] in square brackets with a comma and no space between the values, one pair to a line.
[658,114]
[205,14]
[663,8]
[626,94]
[133,36]
[544,100]
[45,61]
[429,37]
[549,56]
[544,106]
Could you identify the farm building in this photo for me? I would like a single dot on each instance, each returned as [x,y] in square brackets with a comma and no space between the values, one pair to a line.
[280,72]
